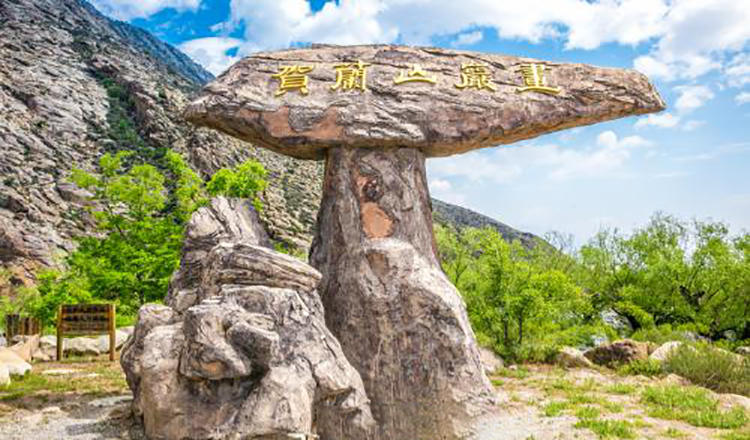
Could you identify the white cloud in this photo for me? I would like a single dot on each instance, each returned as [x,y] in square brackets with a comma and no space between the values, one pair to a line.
[692,97]
[609,156]
[742,98]
[468,38]
[738,70]
[694,36]
[212,52]
[506,164]
[129,9]
[661,120]
[583,24]
[692,124]
[440,185]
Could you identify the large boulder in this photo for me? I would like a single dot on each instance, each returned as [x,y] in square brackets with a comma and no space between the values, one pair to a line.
[618,353]
[569,357]
[27,347]
[223,220]
[665,351]
[13,362]
[245,355]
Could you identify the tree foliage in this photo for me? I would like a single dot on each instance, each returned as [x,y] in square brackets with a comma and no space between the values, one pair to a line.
[665,278]
[140,212]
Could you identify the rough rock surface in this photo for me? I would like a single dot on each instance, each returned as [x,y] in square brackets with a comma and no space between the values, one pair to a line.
[441,119]
[569,357]
[59,60]
[248,354]
[399,320]
[490,360]
[664,351]
[618,353]
[13,362]
[230,220]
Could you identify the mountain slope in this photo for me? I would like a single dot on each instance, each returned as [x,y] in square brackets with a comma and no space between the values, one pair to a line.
[74,85]
[457,216]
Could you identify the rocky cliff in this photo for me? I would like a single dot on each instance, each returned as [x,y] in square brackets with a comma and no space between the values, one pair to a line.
[74,85]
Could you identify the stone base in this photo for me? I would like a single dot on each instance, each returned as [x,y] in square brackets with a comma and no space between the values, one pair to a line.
[400,322]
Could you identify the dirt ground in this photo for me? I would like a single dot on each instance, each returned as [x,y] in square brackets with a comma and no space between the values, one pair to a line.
[88,399]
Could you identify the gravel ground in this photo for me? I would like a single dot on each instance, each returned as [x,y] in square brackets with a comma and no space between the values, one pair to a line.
[101,419]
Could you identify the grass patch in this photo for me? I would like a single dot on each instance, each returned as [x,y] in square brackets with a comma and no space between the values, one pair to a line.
[91,378]
[710,367]
[608,428]
[612,407]
[588,412]
[622,389]
[692,405]
[736,435]
[674,433]
[497,382]
[642,367]
[513,373]
[555,409]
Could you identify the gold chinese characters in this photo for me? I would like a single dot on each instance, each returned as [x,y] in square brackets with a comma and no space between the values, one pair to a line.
[533,78]
[416,74]
[354,76]
[476,76]
[351,76]
[293,78]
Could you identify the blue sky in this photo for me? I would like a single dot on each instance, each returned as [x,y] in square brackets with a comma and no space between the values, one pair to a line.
[692,160]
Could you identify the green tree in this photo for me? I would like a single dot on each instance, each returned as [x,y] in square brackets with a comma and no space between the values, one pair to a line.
[140,213]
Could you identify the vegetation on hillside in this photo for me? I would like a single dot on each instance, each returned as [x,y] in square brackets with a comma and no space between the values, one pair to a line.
[140,212]
[668,280]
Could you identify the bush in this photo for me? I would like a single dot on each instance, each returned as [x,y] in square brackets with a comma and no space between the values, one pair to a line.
[643,367]
[710,367]
[664,333]
[692,405]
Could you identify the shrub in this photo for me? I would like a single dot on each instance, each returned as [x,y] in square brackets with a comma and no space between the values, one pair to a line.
[710,367]
[663,333]
[692,405]
[643,367]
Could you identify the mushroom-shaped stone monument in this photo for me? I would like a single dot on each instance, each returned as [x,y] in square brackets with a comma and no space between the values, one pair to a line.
[374,113]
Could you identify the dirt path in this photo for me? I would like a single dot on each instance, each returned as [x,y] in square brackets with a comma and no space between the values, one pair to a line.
[90,401]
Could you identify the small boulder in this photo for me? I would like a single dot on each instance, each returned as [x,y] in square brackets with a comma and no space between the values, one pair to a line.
[734,400]
[664,351]
[13,362]
[491,361]
[27,347]
[618,353]
[569,357]
[102,342]
[673,379]
[82,346]
[744,351]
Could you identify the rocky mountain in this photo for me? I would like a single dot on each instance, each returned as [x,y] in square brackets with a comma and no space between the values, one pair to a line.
[75,84]
[447,214]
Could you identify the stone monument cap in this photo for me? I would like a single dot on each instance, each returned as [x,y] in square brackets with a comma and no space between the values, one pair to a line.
[299,102]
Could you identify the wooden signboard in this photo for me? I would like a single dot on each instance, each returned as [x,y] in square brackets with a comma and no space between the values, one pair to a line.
[86,319]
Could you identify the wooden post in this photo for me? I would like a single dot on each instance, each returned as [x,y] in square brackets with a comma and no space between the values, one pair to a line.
[112,332]
[59,334]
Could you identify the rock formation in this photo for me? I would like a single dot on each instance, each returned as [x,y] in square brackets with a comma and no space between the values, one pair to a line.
[374,113]
[618,353]
[61,60]
[244,351]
